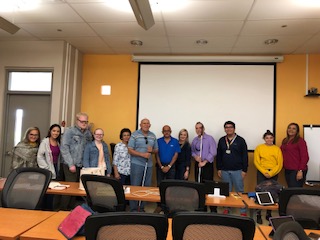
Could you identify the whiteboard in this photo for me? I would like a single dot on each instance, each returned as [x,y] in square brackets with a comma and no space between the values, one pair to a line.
[179,95]
[312,137]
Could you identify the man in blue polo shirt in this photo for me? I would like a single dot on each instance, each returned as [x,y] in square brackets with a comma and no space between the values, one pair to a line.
[167,155]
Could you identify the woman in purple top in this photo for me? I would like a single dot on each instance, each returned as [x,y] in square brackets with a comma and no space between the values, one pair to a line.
[203,149]
[49,151]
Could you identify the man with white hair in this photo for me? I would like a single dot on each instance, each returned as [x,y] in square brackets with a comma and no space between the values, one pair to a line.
[142,144]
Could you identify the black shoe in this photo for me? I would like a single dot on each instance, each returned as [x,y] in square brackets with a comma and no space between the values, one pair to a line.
[268,216]
[157,210]
[259,219]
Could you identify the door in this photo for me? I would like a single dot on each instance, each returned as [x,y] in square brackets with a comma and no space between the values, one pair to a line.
[35,110]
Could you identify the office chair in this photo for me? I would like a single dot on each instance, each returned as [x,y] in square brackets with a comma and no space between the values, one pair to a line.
[180,195]
[126,225]
[302,204]
[290,231]
[25,188]
[104,194]
[211,226]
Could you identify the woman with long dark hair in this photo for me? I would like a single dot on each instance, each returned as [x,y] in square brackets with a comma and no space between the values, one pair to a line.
[295,156]
[49,151]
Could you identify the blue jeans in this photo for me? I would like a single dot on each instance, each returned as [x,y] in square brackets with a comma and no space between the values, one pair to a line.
[234,178]
[136,178]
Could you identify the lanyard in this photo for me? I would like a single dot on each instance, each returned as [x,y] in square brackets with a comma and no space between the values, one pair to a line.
[227,142]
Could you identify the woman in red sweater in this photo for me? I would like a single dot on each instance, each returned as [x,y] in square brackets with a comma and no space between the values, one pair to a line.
[295,156]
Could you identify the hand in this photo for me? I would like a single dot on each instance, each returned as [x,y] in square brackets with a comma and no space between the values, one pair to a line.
[299,175]
[149,149]
[146,155]
[219,173]
[72,169]
[202,163]
[197,158]
[243,174]
[117,175]
[165,169]
[186,174]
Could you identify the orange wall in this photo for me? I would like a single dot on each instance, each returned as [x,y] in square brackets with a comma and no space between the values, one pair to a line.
[114,112]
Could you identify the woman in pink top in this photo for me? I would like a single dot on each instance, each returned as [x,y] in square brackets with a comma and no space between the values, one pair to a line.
[295,156]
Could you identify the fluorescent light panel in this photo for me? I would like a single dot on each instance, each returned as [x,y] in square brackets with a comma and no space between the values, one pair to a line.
[143,13]
[8,26]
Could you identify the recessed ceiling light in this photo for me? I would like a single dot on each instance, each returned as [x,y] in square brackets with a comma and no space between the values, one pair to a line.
[201,42]
[271,41]
[136,43]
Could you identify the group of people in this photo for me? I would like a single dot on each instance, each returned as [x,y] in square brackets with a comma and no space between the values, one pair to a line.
[65,155]
[132,161]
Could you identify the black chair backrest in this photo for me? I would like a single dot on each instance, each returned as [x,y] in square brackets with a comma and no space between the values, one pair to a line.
[302,204]
[180,195]
[290,231]
[25,188]
[197,225]
[126,225]
[104,194]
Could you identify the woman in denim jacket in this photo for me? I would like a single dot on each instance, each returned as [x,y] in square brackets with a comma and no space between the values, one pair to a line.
[96,153]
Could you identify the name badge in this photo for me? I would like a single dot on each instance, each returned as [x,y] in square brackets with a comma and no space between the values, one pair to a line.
[228,151]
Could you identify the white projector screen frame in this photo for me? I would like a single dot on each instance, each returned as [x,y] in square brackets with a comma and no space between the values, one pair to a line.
[179,95]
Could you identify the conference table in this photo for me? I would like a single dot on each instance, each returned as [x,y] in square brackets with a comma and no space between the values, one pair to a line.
[14,222]
[150,194]
[48,230]
[253,206]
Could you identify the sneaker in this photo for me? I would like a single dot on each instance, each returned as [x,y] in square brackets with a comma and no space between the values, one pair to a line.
[259,219]
[226,211]
[243,214]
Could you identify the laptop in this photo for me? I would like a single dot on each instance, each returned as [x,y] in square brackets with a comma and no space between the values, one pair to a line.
[264,198]
[211,185]
[275,222]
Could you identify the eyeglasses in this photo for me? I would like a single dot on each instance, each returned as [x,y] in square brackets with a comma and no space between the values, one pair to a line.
[33,135]
[83,122]
[145,138]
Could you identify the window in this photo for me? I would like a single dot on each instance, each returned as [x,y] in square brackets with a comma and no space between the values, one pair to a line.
[30,81]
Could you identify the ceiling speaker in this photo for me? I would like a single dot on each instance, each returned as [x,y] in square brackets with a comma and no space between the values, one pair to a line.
[143,13]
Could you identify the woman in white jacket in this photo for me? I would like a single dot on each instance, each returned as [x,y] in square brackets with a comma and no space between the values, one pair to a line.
[49,151]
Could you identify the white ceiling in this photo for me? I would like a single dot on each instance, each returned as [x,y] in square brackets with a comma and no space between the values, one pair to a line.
[231,27]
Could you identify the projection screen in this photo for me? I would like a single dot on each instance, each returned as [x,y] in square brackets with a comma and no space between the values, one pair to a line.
[179,95]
